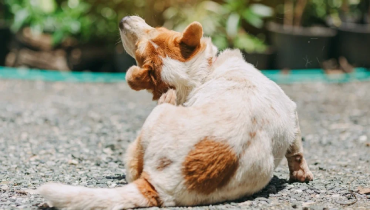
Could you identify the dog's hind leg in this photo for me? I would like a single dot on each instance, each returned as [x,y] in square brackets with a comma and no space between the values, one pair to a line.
[298,167]
[134,160]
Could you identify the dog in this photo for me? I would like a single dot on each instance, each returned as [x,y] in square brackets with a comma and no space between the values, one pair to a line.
[220,128]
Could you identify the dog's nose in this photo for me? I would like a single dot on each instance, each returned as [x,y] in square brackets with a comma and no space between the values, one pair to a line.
[125,19]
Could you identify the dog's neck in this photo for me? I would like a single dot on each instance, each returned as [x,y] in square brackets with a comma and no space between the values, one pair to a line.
[185,76]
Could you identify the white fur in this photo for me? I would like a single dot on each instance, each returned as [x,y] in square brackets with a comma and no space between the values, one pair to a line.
[218,101]
[79,198]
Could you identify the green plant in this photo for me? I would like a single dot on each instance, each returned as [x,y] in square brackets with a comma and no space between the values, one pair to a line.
[234,35]
[243,41]
[82,19]
[252,13]
[305,12]
[5,15]
[63,20]
[221,21]
[208,13]
[312,12]
[355,11]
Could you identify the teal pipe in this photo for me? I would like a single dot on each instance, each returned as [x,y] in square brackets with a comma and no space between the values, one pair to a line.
[294,76]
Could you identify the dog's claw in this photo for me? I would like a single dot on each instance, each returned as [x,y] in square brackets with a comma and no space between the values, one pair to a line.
[168,97]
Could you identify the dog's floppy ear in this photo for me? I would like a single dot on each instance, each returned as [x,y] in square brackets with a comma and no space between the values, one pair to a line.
[140,78]
[192,34]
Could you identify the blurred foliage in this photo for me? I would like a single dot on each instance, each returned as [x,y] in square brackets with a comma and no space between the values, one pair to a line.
[83,19]
[354,11]
[239,11]
[223,22]
[208,13]
[46,16]
[252,13]
[319,11]
[316,12]
[5,15]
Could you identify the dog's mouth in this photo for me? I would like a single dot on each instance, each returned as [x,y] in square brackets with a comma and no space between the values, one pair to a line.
[132,29]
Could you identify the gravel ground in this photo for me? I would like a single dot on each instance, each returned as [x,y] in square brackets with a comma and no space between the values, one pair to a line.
[76,134]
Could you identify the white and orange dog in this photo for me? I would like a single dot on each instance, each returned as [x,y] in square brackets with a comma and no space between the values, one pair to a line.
[218,133]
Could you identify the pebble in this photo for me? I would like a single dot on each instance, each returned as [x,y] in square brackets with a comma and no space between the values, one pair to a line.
[362,138]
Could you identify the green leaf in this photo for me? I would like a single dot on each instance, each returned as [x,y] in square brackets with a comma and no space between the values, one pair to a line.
[249,43]
[58,37]
[220,41]
[252,18]
[261,10]
[20,19]
[232,25]
[47,6]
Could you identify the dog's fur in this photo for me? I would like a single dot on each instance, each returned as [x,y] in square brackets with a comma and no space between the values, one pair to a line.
[230,130]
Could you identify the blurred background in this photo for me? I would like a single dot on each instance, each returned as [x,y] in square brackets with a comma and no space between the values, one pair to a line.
[82,35]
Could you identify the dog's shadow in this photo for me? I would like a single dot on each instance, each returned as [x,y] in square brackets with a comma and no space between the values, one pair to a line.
[275,185]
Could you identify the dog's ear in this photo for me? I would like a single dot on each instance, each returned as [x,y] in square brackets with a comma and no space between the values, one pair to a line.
[192,34]
[140,78]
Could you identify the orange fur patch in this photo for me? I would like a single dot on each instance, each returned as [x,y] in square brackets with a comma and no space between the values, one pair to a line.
[167,43]
[148,190]
[137,162]
[209,166]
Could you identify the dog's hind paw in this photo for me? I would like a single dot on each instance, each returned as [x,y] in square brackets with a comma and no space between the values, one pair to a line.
[168,97]
[301,175]
[299,171]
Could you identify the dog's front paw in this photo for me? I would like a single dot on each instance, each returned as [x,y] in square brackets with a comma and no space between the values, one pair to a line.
[299,171]
[168,97]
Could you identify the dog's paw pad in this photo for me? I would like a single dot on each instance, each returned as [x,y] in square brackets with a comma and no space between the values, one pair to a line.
[168,97]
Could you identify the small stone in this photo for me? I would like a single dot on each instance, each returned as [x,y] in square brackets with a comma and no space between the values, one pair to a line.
[362,138]
[73,162]
[307,204]
[245,203]
[335,196]
[298,191]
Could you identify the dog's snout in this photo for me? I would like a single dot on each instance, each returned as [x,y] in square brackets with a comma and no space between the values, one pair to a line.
[125,19]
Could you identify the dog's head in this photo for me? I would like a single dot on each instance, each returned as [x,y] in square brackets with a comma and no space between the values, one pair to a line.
[158,51]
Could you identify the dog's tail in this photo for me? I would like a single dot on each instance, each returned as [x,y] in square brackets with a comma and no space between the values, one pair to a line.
[137,194]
